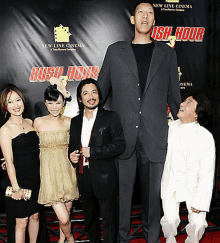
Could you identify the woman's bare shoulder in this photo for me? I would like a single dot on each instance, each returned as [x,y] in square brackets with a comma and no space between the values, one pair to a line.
[5,130]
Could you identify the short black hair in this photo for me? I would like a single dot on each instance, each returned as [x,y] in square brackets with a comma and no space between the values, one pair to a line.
[52,94]
[203,108]
[79,91]
[139,2]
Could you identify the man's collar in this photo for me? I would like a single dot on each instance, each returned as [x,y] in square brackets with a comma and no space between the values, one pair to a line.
[94,114]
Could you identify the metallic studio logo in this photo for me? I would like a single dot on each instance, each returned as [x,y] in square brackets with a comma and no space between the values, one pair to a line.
[74,73]
[172,1]
[61,37]
[61,34]
[183,85]
[179,73]
[172,5]
[184,34]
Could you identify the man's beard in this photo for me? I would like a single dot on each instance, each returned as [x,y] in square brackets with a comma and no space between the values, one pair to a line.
[91,108]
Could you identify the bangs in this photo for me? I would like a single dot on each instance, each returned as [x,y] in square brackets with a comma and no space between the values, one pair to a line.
[52,94]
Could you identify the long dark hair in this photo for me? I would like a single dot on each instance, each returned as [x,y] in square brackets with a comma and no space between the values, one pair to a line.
[79,91]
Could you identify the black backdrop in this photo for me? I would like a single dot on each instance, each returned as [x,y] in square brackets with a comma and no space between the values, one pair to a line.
[40,39]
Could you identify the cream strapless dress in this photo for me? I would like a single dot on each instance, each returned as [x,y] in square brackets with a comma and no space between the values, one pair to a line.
[58,176]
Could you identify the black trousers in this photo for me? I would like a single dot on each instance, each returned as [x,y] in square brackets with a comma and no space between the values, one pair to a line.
[150,179]
[92,206]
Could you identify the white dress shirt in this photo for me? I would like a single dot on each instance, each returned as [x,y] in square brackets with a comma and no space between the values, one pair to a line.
[87,130]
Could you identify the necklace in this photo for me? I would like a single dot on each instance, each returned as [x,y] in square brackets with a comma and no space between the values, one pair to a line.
[19,123]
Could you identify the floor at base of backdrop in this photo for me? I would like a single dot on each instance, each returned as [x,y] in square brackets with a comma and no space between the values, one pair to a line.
[212,232]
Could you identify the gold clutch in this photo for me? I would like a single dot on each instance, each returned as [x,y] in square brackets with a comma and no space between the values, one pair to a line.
[27,192]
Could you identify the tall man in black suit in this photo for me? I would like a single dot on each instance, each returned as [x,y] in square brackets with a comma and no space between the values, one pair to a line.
[96,138]
[143,77]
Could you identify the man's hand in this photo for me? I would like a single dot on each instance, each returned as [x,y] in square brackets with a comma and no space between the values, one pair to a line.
[86,152]
[74,156]
[194,210]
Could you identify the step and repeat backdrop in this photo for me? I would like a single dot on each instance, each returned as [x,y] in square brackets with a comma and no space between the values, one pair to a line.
[53,38]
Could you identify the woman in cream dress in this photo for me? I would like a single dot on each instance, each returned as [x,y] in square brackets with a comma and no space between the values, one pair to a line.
[58,178]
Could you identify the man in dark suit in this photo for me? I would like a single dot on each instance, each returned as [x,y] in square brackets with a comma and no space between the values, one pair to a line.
[142,76]
[96,138]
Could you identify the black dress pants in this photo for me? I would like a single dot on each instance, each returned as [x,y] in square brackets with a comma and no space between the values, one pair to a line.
[150,179]
[92,206]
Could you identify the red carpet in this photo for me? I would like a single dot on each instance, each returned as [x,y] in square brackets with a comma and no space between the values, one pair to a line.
[213,237]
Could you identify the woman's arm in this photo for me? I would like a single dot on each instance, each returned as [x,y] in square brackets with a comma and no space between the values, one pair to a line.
[5,142]
[35,124]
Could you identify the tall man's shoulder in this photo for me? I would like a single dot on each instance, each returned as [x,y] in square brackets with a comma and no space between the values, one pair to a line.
[118,45]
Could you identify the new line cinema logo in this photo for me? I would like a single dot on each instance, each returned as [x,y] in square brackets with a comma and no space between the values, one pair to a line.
[173,5]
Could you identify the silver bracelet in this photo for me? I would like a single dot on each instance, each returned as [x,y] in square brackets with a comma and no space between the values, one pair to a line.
[14,191]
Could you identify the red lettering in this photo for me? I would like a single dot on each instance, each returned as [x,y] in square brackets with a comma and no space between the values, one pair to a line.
[74,73]
[193,32]
[153,32]
[186,33]
[78,74]
[34,74]
[84,72]
[159,34]
[94,72]
[200,34]
[50,73]
[42,74]
[167,32]
[88,71]
[179,32]
[71,72]
[58,72]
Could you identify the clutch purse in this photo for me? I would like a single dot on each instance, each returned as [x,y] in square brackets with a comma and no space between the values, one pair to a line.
[27,192]
[3,165]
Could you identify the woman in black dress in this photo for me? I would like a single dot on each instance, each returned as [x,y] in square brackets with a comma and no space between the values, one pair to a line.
[20,147]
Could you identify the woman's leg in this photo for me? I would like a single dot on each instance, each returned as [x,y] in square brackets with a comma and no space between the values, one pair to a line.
[33,227]
[64,221]
[68,207]
[20,229]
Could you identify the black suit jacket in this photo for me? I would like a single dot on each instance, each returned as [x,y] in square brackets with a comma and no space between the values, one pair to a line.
[107,142]
[147,114]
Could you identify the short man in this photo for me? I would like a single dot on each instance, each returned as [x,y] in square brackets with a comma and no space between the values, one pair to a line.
[189,169]
[143,77]
[98,135]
